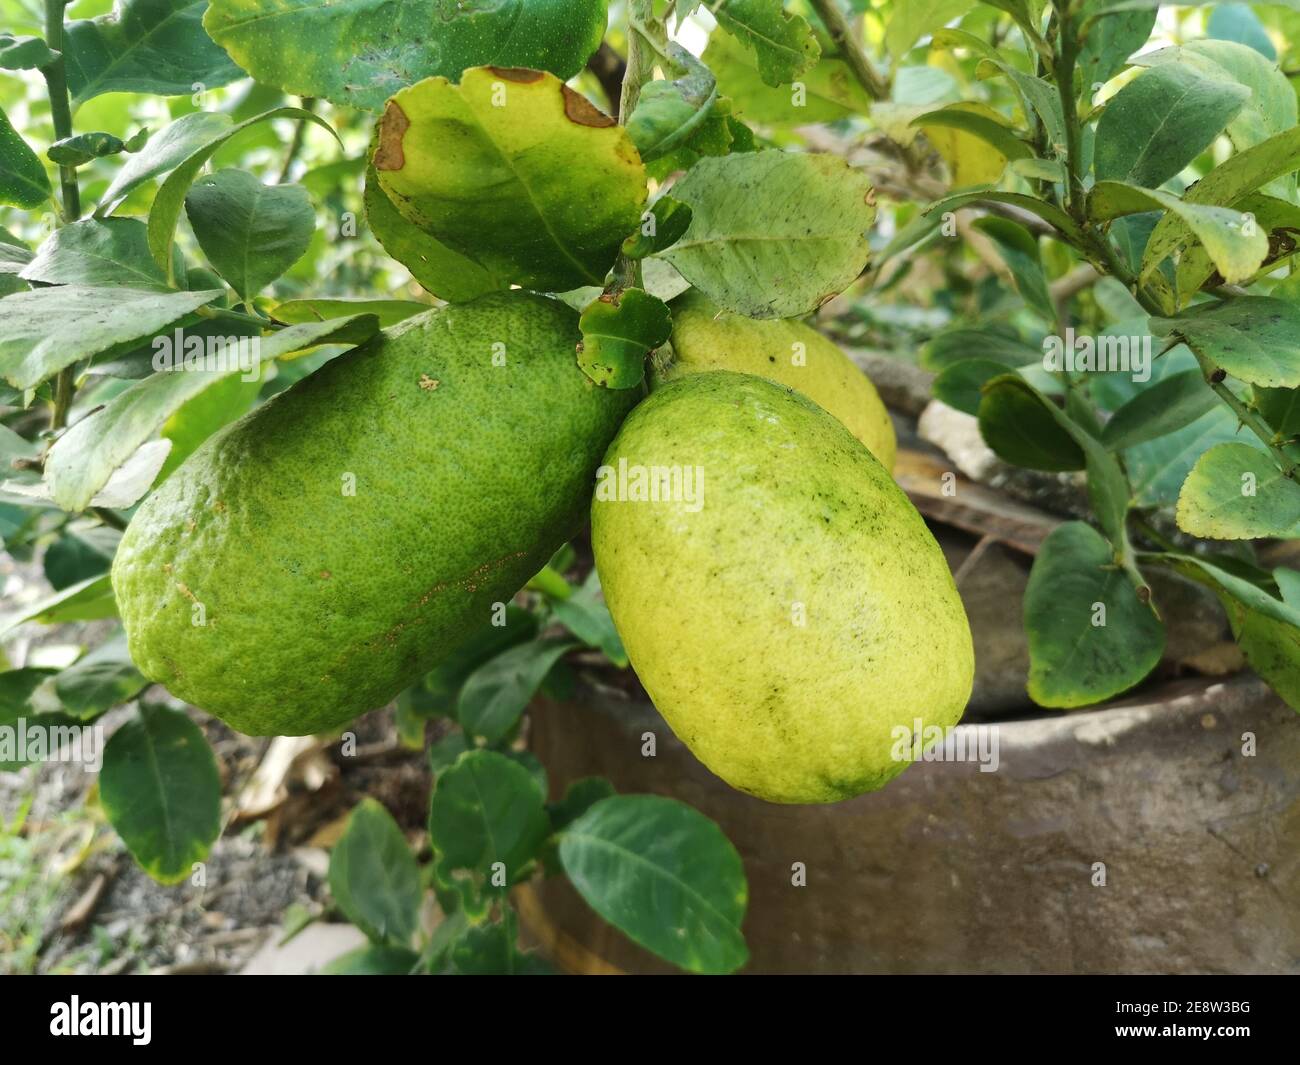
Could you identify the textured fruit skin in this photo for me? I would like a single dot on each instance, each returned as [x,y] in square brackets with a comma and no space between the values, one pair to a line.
[706,338]
[795,511]
[320,605]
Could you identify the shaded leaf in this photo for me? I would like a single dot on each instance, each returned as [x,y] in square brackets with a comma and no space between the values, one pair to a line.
[114,251]
[618,332]
[1166,406]
[374,877]
[496,694]
[1236,492]
[23,181]
[1254,338]
[102,679]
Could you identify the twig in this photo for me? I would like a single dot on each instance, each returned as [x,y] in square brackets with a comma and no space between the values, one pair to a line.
[850,50]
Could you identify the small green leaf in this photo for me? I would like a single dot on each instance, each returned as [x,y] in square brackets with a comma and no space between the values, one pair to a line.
[165,151]
[149,46]
[1168,405]
[773,234]
[1254,338]
[1236,492]
[618,332]
[961,383]
[664,875]
[374,877]
[981,125]
[361,52]
[1090,636]
[80,552]
[24,53]
[1267,629]
[44,330]
[83,148]
[1160,122]
[1019,250]
[104,678]
[441,687]
[497,693]
[250,232]
[23,181]
[991,344]
[908,23]
[87,600]
[170,198]
[580,797]
[661,227]
[1048,212]
[1280,408]
[486,810]
[585,615]
[161,791]
[1110,40]
[114,251]
[670,112]
[1020,430]
[540,188]
[782,41]
[389,312]
[444,753]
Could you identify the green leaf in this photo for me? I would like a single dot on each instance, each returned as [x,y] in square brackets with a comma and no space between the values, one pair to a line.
[78,553]
[444,753]
[540,190]
[987,129]
[388,312]
[1235,244]
[87,600]
[1227,183]
[961,383]
[23,181]
[661,227]
[1270,108]
[1015,423]
[486,809]
[1267,629]
[1279,220]
[1236,492]
[1254,338]
[167,204]
[773,234]
[960,344]
[1288,583]
[82,460]
[585,615]
[161,792]
[373,960]
[1160,121]
[618,332]
[44,330]
[497,693]
[1019,250]
[153,46]
[85,147]
[1168,405]
[114,251]
[669,112]
[664,875]
[1090,636]
[102,679]
[24,53]
[782,42]
[908,23]
[374,877]
[1048,212]
[1159,467]
[25,706]
[1237,22]
[165,151]
[830,91]
[1109,41]
[1280,408]
[250,232]
[361,52]
[197,419]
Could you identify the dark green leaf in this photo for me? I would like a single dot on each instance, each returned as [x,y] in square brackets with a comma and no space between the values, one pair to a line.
[23,181]
[1280,408]
[87,600]
[1090,636]
[250,232]
[1109,42]
[102,679]
[497,693]
[114,251]
[161,791]
[1020,430]
[661,227]
[664,875]
[79,553]
[1019,250]
[374,877]
[373,960]
[24,53]
[580,797]
[81,149]
[1166,406]
[960,384]
[1160,122]
[618,332]
[1254,338]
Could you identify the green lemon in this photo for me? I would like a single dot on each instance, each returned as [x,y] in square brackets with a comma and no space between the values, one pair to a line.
[787,352]
[314,558]
[783,603]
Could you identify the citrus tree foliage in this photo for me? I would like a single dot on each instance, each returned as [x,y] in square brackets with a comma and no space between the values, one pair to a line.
[180,175]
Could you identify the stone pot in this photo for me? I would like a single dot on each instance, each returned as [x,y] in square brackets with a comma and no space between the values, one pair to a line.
[1158,834]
